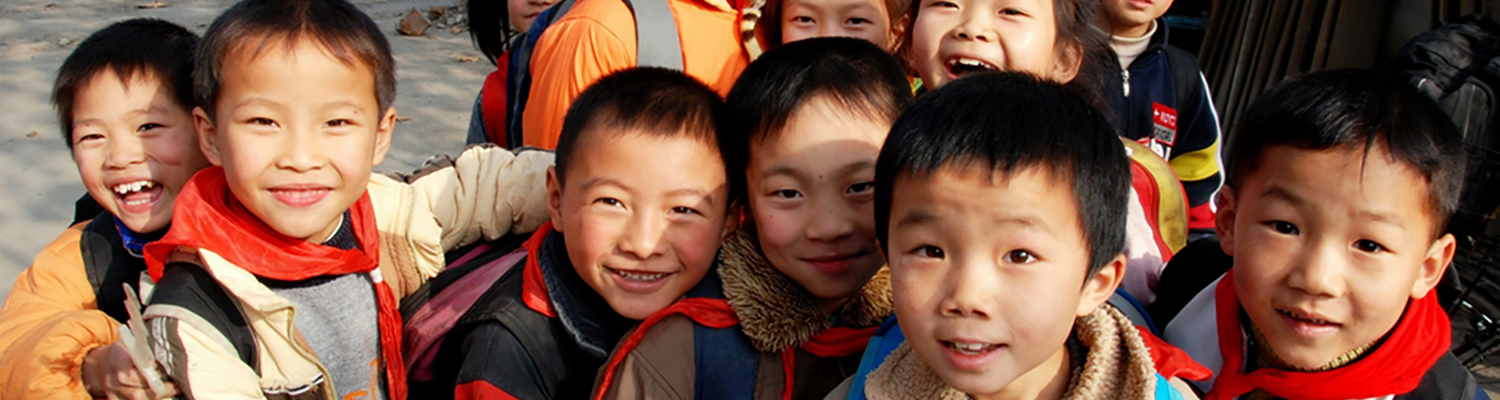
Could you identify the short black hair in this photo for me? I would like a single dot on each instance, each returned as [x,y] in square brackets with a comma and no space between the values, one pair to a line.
[1356,109]
[145,46]
[853,73]
[1009,122]
[651,101]
[346,32]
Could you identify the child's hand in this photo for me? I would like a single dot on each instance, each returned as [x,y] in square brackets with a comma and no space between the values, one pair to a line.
[109,373]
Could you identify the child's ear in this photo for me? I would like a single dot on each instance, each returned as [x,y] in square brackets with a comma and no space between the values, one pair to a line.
[1099,287]
[383,132]
[1437,260]
[731,221]
[1224,220]
[206,143]
[554,199]
[1069,61]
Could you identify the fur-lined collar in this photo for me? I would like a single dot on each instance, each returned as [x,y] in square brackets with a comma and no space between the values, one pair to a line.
[775,312]
[1116,365]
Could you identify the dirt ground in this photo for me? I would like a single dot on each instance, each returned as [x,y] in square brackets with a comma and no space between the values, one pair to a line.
[435,90]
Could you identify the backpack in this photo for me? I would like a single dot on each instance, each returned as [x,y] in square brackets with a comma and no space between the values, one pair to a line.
[108,265]
[1456,66]
[656,40]
[432,311]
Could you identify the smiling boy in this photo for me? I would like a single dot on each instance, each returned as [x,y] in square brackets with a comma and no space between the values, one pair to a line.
[282,270]
[1340,186]
[123,98]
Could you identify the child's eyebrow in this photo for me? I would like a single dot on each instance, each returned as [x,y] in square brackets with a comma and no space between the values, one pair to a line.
[1278,192]
[917,217]
[599,181]
[694,192]
[1382,218]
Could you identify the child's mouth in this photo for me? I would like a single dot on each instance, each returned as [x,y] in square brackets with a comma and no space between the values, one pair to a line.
[1307,325]
[639,281]
[970,355]
[963,66]
[137,196]
[300,195]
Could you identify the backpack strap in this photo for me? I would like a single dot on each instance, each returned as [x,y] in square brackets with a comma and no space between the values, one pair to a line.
[1185,79]
[190,287]
[108,264]
[885,341]
[657,42]
[725,363]
[1133,310]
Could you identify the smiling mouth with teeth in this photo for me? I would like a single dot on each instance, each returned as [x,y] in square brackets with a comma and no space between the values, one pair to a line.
[639,277]
[970,348]
[1302,318]
[135,193]
[962,66]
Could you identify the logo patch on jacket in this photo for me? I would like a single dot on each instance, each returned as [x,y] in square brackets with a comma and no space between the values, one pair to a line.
[1163,130]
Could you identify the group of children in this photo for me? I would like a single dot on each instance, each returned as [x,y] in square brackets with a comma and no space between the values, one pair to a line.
[949,204]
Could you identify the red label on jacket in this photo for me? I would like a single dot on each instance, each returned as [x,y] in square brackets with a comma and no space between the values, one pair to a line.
[1163,130]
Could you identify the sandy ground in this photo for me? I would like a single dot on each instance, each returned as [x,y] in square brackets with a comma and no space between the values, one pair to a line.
[434,89]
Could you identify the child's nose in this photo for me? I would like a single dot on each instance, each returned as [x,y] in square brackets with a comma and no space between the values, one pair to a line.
[1318,272]
[643,237]
[124,150]
[968,294]
[974,28]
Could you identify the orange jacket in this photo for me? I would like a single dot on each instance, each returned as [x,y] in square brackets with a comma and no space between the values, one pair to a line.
[49,323]
[597,37]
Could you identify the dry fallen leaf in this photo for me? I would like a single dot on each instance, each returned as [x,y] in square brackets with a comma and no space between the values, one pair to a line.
[151,5]
[32,134]
[402,118]
[466,59]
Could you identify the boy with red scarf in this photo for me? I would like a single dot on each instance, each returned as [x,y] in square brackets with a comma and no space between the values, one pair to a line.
[280,275]
[1340,186]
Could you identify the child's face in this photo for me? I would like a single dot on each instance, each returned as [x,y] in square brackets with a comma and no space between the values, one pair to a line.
[1133,14]
[1328,247]
[953,38]
[987,294]
[812,193]
[863,19]
[297,133]
[134,146]
[523,12]
[642,216]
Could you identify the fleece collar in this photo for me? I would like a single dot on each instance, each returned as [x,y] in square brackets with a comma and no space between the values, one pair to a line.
[775,312]
[1115,364]
[587,316]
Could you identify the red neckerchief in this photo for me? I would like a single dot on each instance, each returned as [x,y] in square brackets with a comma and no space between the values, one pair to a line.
[1395,367]
[207,216]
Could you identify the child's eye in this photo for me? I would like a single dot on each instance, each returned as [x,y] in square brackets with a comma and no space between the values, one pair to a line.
[88,137]
[1368,246]
[1020,257]
[610,202]
[340,122]
[787,193]
[1285,228]
[148,126]
[861,187]
[802,19]
[262,122]
[942,4]
[857,21]
[1012,12]
[929,252]
[684,210]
